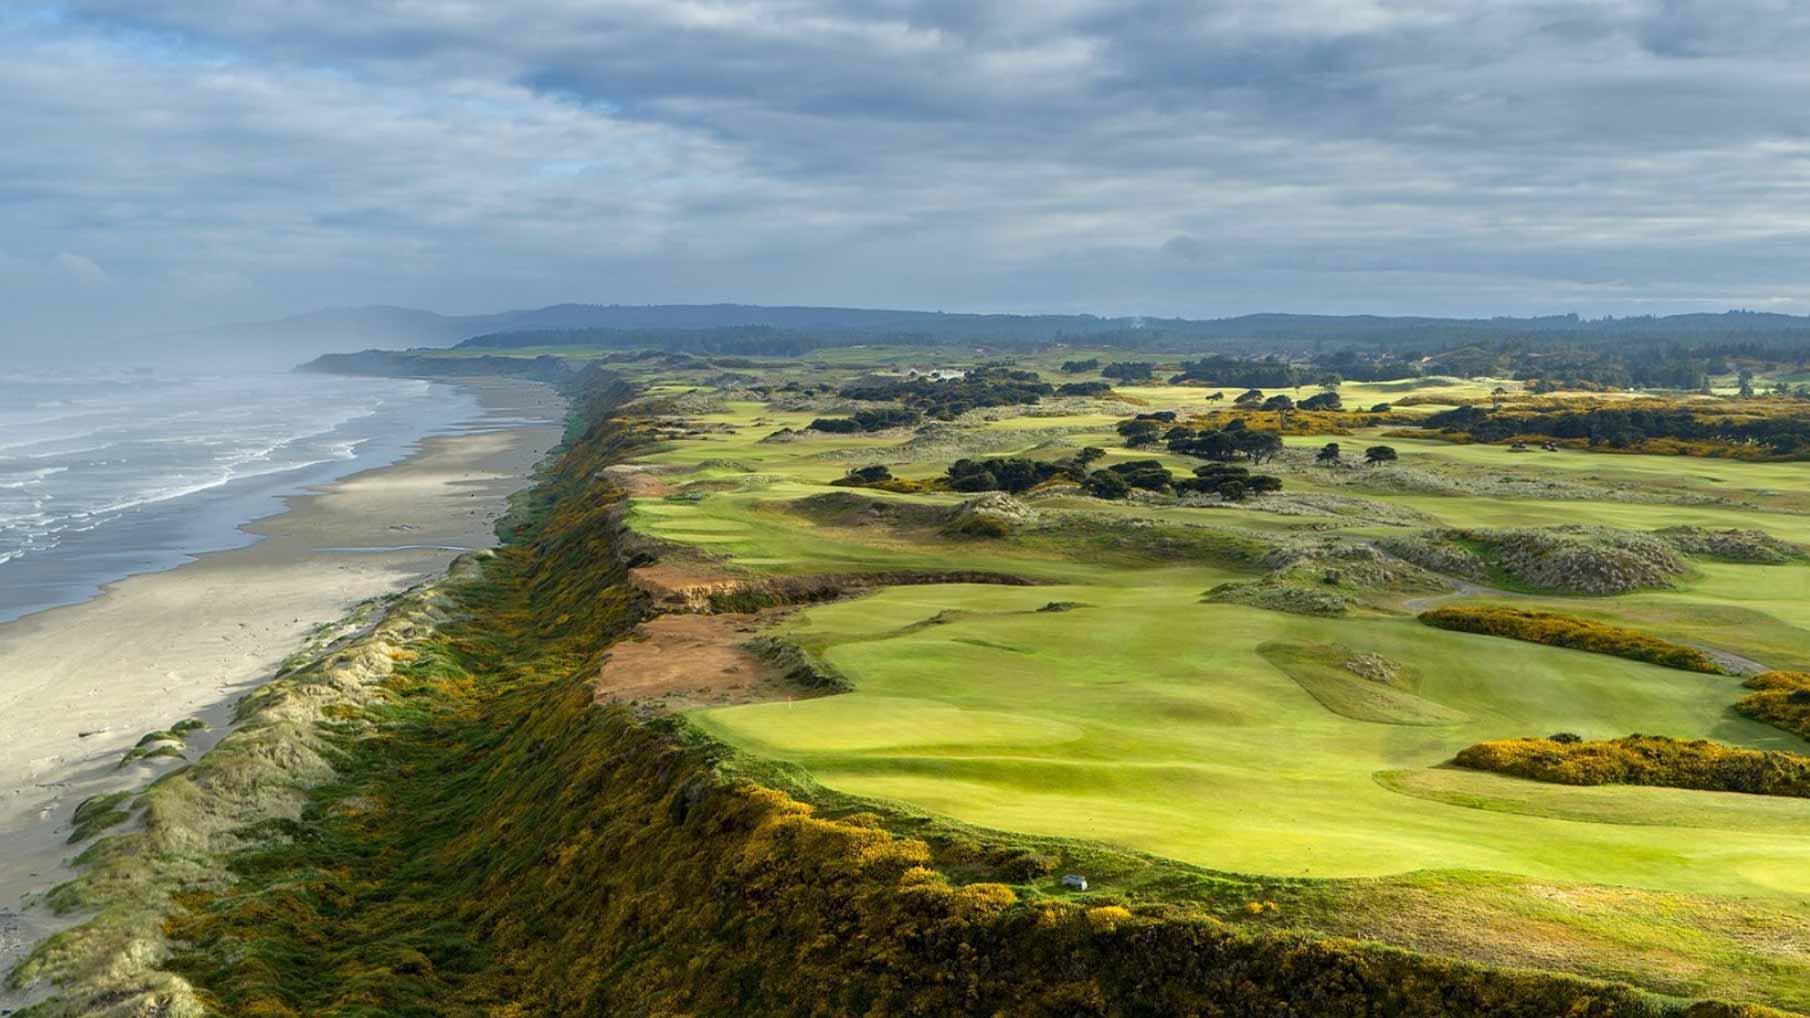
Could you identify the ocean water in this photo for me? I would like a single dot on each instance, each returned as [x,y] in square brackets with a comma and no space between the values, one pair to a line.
[103,475]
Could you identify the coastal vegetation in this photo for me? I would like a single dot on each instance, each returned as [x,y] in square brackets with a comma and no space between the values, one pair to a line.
[925,670]
[1557,630]
[1644,760]
[1781,699]
[1772,429]
[946,398]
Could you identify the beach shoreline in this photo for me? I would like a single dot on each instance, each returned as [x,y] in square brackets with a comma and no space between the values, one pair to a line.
[81,684]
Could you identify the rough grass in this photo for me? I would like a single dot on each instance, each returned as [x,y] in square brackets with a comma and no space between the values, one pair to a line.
[96,814]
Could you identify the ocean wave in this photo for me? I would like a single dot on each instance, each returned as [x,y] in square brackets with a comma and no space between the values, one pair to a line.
[29,478]
[149,473]
[346,450]
[282,469]
[80,451]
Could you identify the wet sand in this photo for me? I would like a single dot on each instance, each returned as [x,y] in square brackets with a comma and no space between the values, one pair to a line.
[80,685]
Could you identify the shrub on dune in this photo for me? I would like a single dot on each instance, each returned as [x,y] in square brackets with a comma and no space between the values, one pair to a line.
[1644,760]
[1781,699]
[1556,630]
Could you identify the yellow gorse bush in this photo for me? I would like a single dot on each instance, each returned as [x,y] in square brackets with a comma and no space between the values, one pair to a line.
[1558,630]
[1645,760]
[1781,699]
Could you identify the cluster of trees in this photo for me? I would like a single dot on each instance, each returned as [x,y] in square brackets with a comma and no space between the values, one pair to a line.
[1573,368]
[877,419]
[1117,480]
[1234,441]
[1627,427]
[1016,475]
[1365,365]
[1129,371]
[1083,388]
[1332,453]
[1282,403]
[1644,760]
[1080,367]
[1229,481]
[1268,373]
[1013,474]
[991,385]
[1635,363]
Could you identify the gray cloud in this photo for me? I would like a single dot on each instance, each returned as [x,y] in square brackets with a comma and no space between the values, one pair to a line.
[222,159]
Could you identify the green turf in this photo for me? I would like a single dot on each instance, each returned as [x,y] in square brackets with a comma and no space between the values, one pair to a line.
[1234,738]
[1153,721]
[1220,734]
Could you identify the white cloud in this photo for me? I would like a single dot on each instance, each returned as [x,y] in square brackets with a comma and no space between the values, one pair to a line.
[1413,155]
[80,268]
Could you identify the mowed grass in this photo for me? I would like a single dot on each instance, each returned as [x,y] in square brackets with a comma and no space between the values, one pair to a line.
[1151,719]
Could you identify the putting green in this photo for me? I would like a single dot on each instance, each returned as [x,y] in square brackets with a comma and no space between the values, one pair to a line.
[1180,738]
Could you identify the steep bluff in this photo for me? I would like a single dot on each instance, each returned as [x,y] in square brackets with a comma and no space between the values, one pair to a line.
[404,364]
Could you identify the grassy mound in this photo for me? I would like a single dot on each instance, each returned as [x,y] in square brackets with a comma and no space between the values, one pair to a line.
[1557,630]
[1580,559]
[1571,559]
[98,813]
[1631,805]
[1363,687]
[848,509]
[1645,760]
[1430,552]
[1747,546]
[1278,596]
[1327,577]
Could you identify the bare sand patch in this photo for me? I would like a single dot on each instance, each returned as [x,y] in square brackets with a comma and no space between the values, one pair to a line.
[683,661]
[638,481]
[682,586]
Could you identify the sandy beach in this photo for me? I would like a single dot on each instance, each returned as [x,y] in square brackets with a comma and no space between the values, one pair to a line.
[79,685]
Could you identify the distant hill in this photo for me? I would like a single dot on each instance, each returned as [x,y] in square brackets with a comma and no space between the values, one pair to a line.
[749,328]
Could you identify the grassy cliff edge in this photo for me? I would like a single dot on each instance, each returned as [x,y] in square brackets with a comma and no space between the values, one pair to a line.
[440,819]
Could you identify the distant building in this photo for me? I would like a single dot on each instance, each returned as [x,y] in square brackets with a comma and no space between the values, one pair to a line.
[1075,881]
[938,374]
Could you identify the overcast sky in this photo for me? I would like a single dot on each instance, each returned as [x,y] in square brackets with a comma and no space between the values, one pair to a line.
[173,162]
